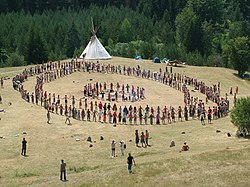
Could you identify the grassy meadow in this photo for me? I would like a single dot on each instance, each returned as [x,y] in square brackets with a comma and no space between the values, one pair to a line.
[213,160]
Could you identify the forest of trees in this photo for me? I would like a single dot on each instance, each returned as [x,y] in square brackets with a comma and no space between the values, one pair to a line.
[199,32]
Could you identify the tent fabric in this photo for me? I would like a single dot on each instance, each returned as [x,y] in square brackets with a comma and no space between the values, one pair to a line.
[165,60]
[137,57]
[95,50]
[156,60]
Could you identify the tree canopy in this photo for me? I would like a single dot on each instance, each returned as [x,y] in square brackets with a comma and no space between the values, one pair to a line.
[240,114]
[199,32]
[237,53]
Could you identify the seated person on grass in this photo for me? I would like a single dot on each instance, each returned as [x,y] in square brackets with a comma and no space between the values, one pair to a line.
[185,147]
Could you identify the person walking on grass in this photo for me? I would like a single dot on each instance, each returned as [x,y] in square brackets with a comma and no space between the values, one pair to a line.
[24,146]
[130,161]
[63,171]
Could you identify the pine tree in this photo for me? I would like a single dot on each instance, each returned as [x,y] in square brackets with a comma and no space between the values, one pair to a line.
[73,41]
[36,50]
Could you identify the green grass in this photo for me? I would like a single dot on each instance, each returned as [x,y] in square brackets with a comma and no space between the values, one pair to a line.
[83,168]
[25,174]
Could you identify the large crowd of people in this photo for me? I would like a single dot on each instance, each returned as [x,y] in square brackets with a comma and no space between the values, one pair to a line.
[90,109]
[99,102]
[114,92]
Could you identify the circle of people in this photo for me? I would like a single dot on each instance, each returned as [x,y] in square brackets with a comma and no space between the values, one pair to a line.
[110,113]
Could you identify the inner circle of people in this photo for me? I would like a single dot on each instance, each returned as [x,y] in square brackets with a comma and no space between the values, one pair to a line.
[103,111]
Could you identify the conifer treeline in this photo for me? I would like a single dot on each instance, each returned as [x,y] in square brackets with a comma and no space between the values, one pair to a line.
[196,31]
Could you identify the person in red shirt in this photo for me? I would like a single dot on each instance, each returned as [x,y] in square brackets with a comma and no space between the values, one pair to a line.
[209,115]
[114,118]
[100,105]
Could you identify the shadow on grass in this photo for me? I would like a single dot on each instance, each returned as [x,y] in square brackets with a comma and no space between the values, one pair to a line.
[83,168]
[146,153]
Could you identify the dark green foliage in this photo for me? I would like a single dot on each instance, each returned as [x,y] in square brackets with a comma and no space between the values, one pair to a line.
[36,52]
[3,57]
[189,30]
[208,10]
[237,53]
[240,114]
[3,54]
[15,60]
[126,31]
[3,6]
[195,31]
[72,41]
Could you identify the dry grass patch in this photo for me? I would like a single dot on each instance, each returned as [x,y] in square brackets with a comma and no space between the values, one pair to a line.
[213,159]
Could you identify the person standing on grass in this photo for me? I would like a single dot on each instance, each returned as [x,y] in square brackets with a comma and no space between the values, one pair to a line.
[114,118]
[104,116]
[137,138]
[146,118]
[1,82]
[158,117]
[67,121]
[209,115]
[63,171]
[146,137]
[88,115]
[48,117]
[143,140]
[113,148]
[202,118]
[24,146]
[151,117]
[130,161]
[123,147]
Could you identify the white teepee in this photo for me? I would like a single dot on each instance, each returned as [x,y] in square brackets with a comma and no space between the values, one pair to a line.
[94,49]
